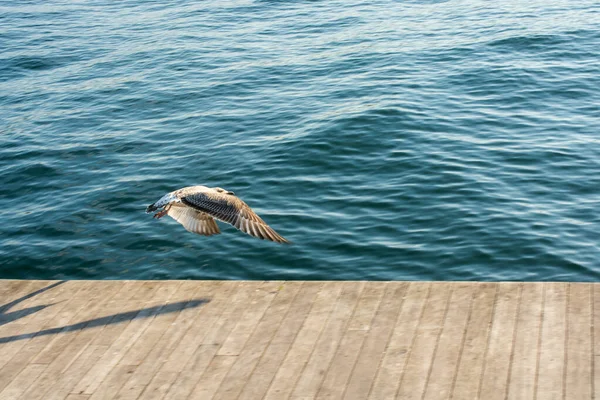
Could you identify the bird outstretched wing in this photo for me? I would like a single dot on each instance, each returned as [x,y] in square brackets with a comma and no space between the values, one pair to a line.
[193,220]
[228,208]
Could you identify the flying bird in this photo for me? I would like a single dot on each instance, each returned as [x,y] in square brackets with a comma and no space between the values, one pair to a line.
[197,207]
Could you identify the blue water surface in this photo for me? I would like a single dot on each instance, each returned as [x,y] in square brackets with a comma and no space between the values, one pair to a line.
[437,140]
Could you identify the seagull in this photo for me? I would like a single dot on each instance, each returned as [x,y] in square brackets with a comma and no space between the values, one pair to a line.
[197,207]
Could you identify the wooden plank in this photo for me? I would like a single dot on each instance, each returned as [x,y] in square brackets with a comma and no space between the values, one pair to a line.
[189,296]
[374,347]
[31,341]
[78,397]
[212,378]
[21,382]
[596,341]
[341,367]
[311,378]
[470,364]
[111,382]
[13,294]
[326,340]
[62,375]
[393,363]
[14,298]
[11,290]
[186,381]
[441,375]
[178,364]
[63,352]
[157,325]
[252,351]
[338,374]
[367,306]
[269,363]
[284,382]
[501,343]
[13,307]
[93,309]
[90,383]
[27,313]
[247,321]
[552,347]
[82,294]
[412,382]
[578,379]
[209,320]
[524,363]
[69,377]
[111,319]
[122,309]
[159,385]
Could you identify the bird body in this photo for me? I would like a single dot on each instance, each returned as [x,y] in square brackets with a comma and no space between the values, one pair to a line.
[197,207]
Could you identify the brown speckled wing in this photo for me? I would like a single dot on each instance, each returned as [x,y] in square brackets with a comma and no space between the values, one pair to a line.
[194,220]
[230,209]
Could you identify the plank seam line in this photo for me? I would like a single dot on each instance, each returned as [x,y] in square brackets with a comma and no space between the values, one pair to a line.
[325,323]
[591,322]
[539,344]
[21,295]
[388,286]
[124,330]
[31,385]
[387,343]
[13,289]
[220,297]
[97,333]
[52,341]
[228,306]
[412,342]
[211,292]
[23,291]
[271,339]
[344,330]
[487,344]
[59,383]
[593,344]
[566,343]
[43,327]
[166,302]
[361,344]
[264,287]
[293,339]
[514,339]
[296,338]
[254,296]
[161,347]
[268,305]
[437,340]
[462,344]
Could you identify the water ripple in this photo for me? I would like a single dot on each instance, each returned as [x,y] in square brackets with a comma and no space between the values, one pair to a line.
[460,143]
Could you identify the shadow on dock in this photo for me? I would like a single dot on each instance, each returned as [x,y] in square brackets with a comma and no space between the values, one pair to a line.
[5,317]
[147,312]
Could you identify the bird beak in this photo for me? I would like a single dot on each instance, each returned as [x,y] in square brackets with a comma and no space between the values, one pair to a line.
[151,208]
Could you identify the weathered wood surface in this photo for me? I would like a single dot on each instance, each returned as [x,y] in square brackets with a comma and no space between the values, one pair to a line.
[298,340]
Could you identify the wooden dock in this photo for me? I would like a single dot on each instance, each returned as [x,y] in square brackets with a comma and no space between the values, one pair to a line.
[81,340]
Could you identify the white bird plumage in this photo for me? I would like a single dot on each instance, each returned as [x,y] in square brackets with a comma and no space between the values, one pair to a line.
[197,207]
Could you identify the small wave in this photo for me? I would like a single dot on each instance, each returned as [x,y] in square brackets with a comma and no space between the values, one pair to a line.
[525,42]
